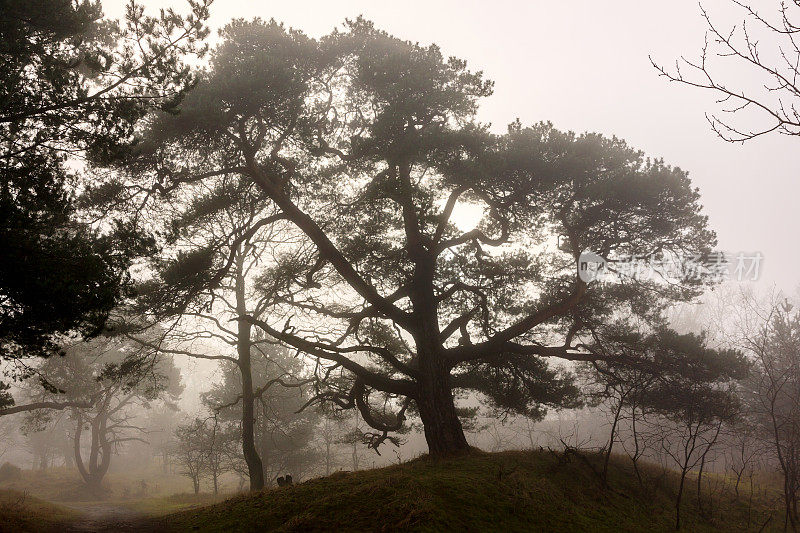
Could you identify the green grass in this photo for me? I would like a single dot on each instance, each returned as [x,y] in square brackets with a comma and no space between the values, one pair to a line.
[160,506]
[511,491]
[20,512]
[62,484]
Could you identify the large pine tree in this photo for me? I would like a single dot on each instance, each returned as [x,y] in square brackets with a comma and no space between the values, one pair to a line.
[368,145]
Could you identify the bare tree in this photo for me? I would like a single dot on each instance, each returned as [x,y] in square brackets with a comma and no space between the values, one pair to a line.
[763,53]
[500,435]
[105,380]
[328,436]
[619,393]
[189,454]
[687,442]
[742,450]
[214,445]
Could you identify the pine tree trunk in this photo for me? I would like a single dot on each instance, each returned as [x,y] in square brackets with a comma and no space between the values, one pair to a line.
[76,441]
[255,467]
[443,431]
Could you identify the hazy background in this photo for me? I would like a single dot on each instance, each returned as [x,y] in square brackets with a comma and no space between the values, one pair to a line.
[584,66]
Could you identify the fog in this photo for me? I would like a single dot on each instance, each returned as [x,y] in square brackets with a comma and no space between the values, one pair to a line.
[585,66]
[337,249]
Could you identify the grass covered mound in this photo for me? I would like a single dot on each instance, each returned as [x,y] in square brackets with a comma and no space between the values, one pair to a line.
[510,491]
[21,512]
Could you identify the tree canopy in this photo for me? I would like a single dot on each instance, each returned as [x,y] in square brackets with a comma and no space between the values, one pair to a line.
[74,86]
[369,146]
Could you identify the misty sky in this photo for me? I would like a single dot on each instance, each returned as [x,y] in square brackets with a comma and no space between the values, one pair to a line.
[584,66]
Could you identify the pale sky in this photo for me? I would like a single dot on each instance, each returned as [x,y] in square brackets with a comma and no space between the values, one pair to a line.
[583,65]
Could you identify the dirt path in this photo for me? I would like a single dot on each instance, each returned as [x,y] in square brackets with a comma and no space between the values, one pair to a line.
[101,517]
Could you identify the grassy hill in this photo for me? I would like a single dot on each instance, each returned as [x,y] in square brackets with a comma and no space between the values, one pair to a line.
[21,512]
[510,491]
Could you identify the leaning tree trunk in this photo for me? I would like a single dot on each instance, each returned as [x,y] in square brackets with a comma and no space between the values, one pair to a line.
[434,398]
[85,474]
[678,499]
[443,431]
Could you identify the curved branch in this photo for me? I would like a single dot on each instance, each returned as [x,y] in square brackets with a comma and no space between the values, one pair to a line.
[332,353]
[498,341]
[327,249]
[187,353]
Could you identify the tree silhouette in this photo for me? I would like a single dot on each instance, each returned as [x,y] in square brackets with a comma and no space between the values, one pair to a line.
[74,87]
[219,221]
[369,146]
[105,380]
[773,401]
[283,434]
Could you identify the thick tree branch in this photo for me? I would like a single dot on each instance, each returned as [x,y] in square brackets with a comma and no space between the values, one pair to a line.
[496,343]
[58,406]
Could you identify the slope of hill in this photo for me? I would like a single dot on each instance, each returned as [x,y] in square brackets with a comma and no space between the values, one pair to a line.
[510,491]
[21,512]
